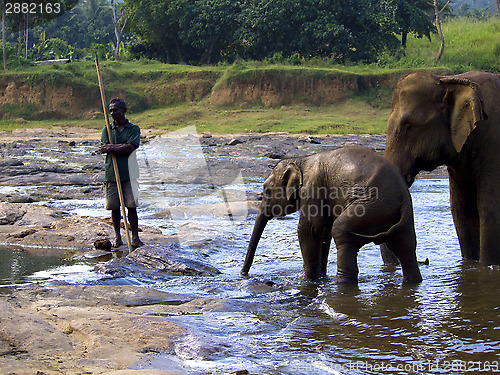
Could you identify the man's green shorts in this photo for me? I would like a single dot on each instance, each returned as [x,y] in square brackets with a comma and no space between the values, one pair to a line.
[130,194]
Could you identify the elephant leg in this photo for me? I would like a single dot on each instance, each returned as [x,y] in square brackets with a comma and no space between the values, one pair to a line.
[347,262]
[404,244]
[489,217]
[387,255]
[326,240]
[466,218]
[314,238]
[348,245]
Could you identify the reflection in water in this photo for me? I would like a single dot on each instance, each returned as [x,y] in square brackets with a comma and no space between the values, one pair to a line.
[276,323]
[18,268]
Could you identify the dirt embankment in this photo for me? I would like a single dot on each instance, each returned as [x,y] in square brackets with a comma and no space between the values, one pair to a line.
[66,95]
[274,88]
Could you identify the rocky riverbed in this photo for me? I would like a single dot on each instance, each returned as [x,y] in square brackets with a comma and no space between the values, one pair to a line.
[97,329]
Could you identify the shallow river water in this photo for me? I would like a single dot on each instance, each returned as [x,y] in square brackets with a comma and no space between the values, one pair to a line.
[274,322]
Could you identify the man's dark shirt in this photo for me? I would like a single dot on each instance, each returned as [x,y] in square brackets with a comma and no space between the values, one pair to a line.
[127,164]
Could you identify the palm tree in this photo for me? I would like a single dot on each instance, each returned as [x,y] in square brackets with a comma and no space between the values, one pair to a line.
[88,11]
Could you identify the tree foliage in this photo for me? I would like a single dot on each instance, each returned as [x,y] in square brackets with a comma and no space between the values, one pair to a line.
[411,17]
[210,31]
[89,22]
[205,31]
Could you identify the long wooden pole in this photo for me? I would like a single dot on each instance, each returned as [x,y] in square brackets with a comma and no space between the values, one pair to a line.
[113,156]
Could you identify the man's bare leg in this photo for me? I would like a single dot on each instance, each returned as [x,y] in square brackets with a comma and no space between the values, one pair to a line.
[116,219]
[134,227]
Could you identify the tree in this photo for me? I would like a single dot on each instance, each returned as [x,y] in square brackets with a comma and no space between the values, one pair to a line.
[3,38]
[90,22]
[209,27]
[438,13]
[206,31]
[157,26]
[411,17]
[23,19]
[119,22]
[346,30]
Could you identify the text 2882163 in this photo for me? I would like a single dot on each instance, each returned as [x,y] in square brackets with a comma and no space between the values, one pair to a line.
[33,8]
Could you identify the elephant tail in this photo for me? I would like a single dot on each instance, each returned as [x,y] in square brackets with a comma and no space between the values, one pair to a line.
[406,216]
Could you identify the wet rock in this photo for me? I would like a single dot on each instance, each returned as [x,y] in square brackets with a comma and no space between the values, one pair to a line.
[157,260]
[21,198]
[312,140]
[236,209]
[258,285]
[102,244]
[93,167]
[234,142]
[275,155]
[10,162]
[36,226]
[21,214]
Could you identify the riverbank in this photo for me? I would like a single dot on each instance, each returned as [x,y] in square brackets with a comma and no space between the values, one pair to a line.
[111,329]
[91,329]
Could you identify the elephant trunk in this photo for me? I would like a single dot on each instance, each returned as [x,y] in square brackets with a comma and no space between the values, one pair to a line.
[260,224]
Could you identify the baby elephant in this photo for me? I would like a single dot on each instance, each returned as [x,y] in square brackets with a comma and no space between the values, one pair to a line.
[351,194]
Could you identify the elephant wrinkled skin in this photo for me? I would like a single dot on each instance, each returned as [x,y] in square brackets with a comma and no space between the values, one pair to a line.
[454,121]
[351,194]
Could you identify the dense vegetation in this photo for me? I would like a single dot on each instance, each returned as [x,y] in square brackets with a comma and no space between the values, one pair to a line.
[212,31]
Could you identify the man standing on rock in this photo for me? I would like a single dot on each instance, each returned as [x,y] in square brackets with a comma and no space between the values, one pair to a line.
[126,139]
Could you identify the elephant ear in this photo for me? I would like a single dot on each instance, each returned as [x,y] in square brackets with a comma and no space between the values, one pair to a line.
[292,179]
[466,108]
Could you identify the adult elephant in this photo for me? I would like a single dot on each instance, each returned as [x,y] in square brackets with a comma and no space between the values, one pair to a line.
[352,194]
[454,121]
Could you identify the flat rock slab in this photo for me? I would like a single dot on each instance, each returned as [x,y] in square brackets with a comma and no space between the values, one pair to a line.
[41,227]
[89,329]
[156,261]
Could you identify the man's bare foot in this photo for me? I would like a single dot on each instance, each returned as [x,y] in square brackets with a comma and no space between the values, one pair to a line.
[136,243]
[117,243]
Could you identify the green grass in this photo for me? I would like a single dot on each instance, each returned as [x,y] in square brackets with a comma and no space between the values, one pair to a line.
[469,45]
[349,117]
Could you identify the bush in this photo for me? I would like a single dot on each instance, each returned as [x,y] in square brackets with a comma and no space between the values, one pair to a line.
[51,49]
[14,61]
